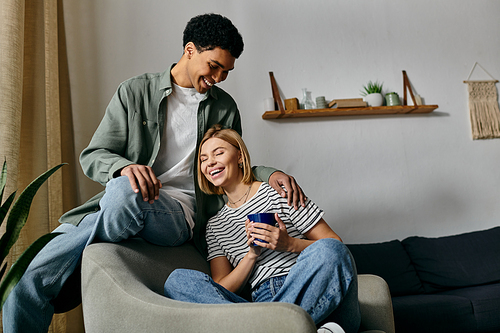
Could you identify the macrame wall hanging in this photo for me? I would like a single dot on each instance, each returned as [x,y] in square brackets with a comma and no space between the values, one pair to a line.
[483,107]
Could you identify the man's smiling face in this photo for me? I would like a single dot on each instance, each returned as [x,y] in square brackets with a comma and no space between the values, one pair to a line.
[207,68]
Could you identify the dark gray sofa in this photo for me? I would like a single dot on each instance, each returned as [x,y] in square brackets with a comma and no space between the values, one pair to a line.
[445,284]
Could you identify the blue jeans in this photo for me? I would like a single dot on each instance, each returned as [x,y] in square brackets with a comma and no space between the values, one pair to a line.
[123,214]
[323,278]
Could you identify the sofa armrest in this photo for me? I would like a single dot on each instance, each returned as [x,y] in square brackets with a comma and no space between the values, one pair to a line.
[122,286]
[375,304]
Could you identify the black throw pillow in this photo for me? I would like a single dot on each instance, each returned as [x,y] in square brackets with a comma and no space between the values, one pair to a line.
[390,261]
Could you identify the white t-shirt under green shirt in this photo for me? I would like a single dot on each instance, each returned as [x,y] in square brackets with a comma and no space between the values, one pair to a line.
[174,163]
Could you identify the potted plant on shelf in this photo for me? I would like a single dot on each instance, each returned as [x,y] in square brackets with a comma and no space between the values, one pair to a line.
[372,93]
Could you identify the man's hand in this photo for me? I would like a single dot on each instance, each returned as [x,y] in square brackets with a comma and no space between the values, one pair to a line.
[293,191]
[143,179]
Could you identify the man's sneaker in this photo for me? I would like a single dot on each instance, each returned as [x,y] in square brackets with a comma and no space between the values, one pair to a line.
[331,328]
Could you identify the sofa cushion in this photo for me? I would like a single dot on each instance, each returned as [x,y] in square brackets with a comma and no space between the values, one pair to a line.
[433,314]
[390,261]
[456,261]
[485,302]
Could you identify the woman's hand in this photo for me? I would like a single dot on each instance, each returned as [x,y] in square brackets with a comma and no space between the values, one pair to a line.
[254,250]
[277,238]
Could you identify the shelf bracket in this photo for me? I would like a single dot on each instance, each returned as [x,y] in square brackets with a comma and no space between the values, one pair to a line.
[406,84]
[276,95]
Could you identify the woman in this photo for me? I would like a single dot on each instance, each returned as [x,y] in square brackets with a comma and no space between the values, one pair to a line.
[301,260]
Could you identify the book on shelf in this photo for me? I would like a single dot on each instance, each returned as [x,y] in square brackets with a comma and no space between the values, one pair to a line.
[348,103]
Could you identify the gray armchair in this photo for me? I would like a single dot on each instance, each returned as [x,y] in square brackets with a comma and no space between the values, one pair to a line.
[122,288]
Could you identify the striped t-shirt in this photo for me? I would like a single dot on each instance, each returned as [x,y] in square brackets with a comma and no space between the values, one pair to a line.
[226,232]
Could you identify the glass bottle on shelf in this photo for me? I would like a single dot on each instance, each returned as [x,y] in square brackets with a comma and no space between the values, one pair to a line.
[306,102]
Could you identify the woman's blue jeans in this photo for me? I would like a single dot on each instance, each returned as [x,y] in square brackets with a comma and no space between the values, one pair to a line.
[323,278]
[123,214]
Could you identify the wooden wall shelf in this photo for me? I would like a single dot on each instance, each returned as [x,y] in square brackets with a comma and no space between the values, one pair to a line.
[281,113]
[366,111]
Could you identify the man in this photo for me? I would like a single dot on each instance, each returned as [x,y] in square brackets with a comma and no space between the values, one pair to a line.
[143,152]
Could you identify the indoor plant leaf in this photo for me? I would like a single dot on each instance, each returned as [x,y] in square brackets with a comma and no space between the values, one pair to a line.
[3,179]
[2,271]
[372,88]
[19,212]
[17,270]
[5,207]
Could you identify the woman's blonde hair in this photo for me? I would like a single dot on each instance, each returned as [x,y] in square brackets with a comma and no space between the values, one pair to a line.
[233,138]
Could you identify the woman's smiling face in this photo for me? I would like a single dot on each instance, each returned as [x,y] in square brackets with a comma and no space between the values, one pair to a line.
[219,162]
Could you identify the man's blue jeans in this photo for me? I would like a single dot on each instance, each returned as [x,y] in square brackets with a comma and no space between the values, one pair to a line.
[123,214]
[323,278]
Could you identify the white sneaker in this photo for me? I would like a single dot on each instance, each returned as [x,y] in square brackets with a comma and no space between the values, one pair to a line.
[331,327]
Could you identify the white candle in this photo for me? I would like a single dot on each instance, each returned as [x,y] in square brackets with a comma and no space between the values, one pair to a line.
[269,104]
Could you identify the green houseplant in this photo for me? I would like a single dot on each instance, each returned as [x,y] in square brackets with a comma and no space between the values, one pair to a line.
[372,93]
[15,222]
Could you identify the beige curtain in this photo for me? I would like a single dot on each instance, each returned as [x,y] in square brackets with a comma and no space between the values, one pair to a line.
[35,118]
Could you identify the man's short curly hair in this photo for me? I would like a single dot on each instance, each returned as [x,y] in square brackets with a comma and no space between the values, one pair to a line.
[209,31]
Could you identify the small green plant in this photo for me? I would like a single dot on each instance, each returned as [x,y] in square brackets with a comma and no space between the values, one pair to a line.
[15,222]
[372,88]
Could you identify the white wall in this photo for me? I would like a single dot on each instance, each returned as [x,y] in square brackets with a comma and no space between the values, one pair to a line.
[377,178]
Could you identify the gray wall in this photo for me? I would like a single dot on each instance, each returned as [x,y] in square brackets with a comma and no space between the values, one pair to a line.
[377,178]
